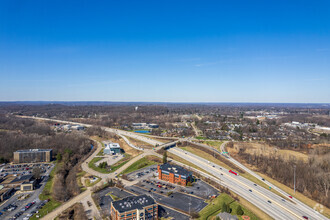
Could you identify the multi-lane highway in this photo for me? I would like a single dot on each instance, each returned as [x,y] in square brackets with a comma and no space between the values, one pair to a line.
[274,205]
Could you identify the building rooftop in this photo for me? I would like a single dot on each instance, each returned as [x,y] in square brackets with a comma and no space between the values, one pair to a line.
[109,145]
[133,202]
[33,150]
[175,169]
[11,179]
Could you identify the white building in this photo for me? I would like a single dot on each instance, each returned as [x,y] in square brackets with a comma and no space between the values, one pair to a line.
[111,148]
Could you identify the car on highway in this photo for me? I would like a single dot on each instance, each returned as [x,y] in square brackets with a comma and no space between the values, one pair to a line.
[305,217]
[263,179]
[269,201]
[233,172]
[255,184]
[250,190]
[290,197]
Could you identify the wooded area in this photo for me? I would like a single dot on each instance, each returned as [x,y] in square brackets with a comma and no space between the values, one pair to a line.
[312,177]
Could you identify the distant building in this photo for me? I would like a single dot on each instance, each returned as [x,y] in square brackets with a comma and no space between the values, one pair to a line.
[77,127]
[144,125]
[33,156]
[153,125]
[174,174]
[111,148]
[134,207]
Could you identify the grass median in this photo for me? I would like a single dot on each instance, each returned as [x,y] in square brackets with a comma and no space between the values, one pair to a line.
[142,163]
[215,205]
[47,195]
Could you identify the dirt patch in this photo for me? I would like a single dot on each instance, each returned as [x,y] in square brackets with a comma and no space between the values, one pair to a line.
[127,148]
[267,150]
[139,143]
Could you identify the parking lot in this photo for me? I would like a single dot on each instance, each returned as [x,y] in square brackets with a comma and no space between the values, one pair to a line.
[148,180]
[23,169]
[105,200]
[143,173]
[110,159]
[23,205]
[176,200]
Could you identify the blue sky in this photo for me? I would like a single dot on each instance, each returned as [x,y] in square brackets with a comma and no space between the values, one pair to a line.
[169,51]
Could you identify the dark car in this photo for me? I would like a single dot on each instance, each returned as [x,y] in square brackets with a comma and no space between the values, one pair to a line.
[255,184]
[269,201]
[250,190]
[305,217]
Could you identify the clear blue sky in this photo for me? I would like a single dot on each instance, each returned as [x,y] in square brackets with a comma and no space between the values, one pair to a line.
[177,51]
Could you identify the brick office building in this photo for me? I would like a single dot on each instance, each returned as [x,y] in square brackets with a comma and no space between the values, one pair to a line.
[141,207]
[174,174]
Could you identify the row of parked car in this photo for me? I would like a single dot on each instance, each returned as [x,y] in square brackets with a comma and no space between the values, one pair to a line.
[22,168]
[159,184]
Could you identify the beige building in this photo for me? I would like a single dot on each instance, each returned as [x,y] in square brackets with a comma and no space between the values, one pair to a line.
[33,156]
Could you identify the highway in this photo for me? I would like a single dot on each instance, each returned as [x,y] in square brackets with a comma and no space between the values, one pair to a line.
[302,206]
[276,208]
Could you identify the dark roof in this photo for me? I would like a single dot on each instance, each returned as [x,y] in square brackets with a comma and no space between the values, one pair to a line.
[175,169]
[133,202]
[33,150]
[22,178]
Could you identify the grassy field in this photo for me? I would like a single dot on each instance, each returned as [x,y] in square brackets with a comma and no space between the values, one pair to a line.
[179,159]
[201,138]
[139,143]
[215,144]
[46,194]
[214,160]
[121,163]
[113,167]
[265,149]
[101,151]
[79,176]
[143,162]
[215,205]
[92,165]
[89,184]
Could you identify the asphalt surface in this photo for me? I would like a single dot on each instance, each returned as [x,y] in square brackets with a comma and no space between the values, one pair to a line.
[34,196]
[105,201]
[259,196]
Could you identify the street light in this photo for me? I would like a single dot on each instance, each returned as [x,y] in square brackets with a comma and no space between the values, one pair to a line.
[294,179]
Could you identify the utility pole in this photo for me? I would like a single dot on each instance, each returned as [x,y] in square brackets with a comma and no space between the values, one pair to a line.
[294,178]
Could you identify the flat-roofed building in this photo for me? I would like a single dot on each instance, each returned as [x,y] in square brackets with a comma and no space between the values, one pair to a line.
[111,148]
[28,185]
[13,181]
[140,207]
[174,174]
[33,155]
[5,193]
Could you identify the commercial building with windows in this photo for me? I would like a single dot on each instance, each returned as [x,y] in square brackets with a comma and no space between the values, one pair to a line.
[174,174]
[140,207]
[111,148]
[33,156]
